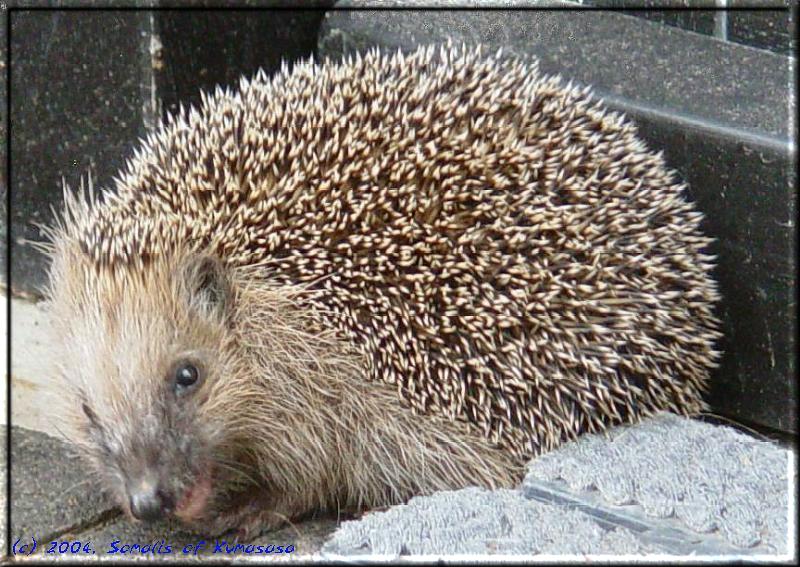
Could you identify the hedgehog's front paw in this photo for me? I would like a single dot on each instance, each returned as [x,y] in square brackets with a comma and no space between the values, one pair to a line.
[248,521]
[258,521]
[218,527]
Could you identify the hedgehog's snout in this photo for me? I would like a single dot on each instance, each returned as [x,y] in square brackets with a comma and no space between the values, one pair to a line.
[147,500]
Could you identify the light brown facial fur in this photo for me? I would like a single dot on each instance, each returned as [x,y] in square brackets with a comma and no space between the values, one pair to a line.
[399,273]
[124,341]
[281,422]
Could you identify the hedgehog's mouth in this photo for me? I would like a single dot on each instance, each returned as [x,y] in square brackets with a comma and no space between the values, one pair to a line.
[192,504]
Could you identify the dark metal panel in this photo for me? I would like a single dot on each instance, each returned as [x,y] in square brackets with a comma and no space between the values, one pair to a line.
[86,85]
[80,87]
[690,20]
[773,30]
[200,50]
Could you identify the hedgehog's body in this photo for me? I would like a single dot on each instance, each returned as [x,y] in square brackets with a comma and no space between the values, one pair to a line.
[395,275]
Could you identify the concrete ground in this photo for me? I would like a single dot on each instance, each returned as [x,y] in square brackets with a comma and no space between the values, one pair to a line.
[669,486]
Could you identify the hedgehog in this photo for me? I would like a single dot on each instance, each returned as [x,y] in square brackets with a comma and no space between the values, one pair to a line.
[362,280]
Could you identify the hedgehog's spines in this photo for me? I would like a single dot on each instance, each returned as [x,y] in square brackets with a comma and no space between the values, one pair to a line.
[474,248]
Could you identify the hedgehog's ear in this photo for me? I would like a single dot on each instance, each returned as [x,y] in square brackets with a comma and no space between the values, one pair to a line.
[207,284]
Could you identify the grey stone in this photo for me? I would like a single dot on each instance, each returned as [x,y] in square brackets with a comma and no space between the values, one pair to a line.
[51,490]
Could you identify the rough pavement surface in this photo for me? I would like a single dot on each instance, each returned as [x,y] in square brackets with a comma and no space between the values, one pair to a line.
[476,521]
[710,478]
[669,485]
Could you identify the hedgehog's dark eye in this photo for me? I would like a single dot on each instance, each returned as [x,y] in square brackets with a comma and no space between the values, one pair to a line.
[186,376]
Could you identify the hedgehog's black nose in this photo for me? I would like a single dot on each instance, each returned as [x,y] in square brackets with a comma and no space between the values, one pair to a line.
[146,502]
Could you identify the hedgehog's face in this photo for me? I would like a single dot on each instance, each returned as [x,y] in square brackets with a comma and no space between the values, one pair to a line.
[145,357]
